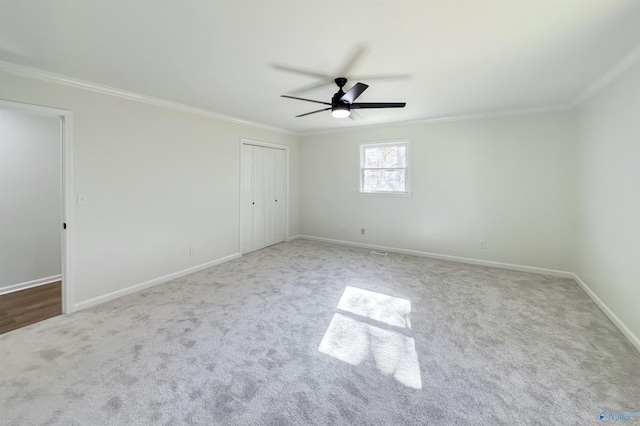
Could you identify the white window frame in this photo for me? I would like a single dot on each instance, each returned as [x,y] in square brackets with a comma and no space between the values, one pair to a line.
[407,176]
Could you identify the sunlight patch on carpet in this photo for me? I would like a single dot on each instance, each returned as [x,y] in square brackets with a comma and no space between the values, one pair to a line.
[376,306]
[352,341]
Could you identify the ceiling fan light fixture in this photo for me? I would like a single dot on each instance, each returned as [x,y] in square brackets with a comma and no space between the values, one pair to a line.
[340,111]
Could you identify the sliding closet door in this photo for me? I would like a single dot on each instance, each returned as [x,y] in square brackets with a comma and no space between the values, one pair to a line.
[263,196]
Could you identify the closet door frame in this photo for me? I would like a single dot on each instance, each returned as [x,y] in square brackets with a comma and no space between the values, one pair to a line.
[244,141]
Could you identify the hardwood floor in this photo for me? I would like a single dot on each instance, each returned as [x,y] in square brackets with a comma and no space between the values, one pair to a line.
[29,306]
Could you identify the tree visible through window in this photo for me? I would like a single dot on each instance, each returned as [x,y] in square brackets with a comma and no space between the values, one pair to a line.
[384,167]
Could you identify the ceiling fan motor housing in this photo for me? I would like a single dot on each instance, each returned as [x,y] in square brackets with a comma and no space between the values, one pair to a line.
[336,99]
[340,108]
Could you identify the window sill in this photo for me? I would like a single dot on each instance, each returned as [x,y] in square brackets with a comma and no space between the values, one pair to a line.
[385,194]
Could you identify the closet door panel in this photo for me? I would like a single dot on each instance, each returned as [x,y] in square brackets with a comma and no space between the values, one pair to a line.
[270,195]
[281,193]
[247,199]
[259,198]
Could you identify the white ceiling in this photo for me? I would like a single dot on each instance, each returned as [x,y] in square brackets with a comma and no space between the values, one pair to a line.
[464,57]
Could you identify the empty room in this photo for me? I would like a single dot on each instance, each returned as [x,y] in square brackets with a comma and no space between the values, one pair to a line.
[319,212]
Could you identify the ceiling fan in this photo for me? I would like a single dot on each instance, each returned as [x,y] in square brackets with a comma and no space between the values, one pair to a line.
[342,104]
[349,64]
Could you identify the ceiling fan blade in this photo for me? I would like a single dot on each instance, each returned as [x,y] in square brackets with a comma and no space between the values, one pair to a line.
[354,115]
[312,87]
[313,112]
[379,105]
[303,99]
[382,77]
[354,92]
[353,60]
[303,72]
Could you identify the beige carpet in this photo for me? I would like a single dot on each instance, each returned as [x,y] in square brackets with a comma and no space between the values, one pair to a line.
[312,333]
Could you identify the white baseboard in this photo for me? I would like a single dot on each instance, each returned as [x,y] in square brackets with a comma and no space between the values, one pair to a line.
[295,237]
[30,284]
[635,341]
[521,268]
[137,287]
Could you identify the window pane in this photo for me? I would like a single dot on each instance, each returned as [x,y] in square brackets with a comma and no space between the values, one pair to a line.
[384,180]
[385,156]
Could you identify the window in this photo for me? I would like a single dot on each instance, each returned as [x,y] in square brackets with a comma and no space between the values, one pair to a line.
[384,168]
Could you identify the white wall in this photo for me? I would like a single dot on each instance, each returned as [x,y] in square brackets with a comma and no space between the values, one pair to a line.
[608,244]
[509,181]
[30,198]
[156,181]
[555,190]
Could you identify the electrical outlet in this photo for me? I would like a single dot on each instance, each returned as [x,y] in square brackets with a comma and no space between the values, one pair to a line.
[192,250]
[361,231]
[483,244]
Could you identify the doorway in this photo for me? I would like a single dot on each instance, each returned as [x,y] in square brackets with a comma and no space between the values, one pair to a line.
[263,185]
[35,153]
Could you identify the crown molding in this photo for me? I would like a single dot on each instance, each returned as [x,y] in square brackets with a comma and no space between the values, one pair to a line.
[50,77]
[618,69]
[445,119]
[611,74]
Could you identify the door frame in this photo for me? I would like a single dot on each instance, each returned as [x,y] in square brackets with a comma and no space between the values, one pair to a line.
[66,163]
[244,141]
